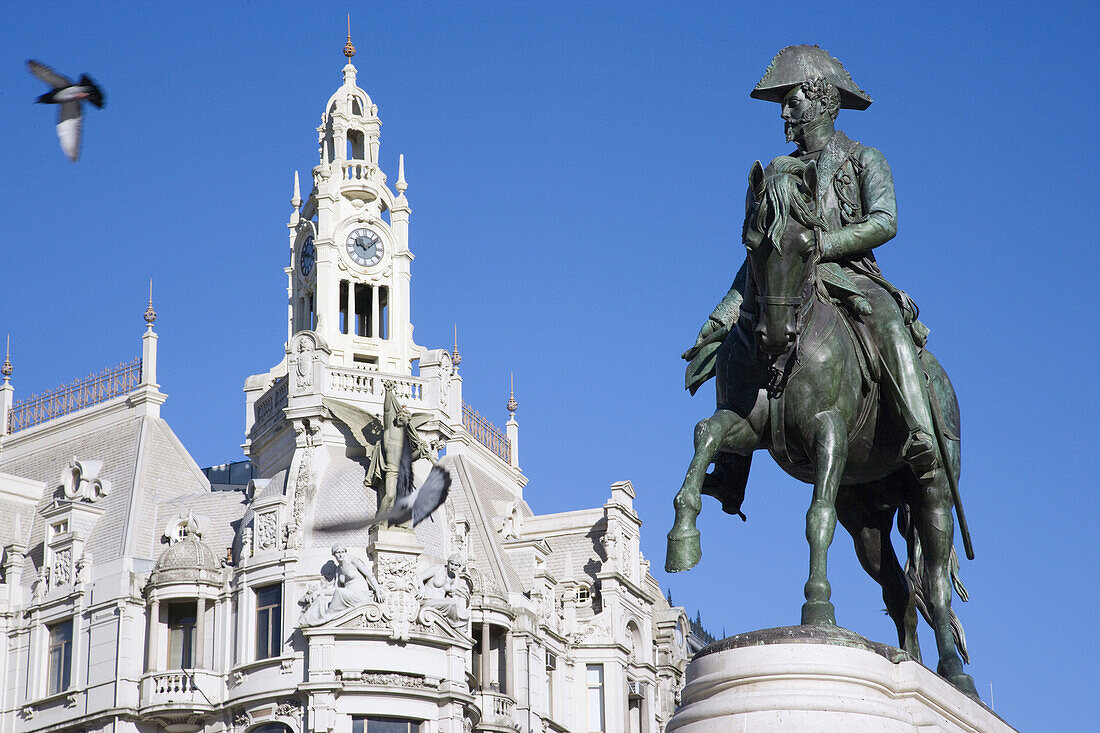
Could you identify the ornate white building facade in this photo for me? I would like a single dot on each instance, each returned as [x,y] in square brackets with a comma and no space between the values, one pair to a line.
[137,597]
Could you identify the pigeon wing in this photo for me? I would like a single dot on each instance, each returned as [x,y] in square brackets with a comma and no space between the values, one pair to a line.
[68,129]
[48,75]
[431,494]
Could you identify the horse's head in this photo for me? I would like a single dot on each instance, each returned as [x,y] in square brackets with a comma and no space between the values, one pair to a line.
[779,221]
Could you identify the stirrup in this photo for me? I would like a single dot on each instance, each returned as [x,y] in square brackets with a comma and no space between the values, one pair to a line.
[919,452]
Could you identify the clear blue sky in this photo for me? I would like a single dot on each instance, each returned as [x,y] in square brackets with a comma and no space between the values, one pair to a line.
[576,174]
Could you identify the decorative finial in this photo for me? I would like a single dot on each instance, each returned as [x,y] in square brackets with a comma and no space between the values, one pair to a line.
[150,314]
[401,185]
[296,201]
[512,404]
[349,47]
[6,370]
[456,358]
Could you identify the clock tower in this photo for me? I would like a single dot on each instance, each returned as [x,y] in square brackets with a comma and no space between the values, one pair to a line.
[349,272]
[349,334]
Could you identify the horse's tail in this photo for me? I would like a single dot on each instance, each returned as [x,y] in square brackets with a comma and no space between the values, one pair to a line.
[916,572]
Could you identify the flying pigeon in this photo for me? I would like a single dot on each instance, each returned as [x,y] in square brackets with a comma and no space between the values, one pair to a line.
[415,504]
[69,96]
[410,504]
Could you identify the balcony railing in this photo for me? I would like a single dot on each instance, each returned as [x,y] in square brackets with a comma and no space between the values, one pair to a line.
[486,433]
[497,709]
[367,383]
[86,392]
[181,688]
[358,170]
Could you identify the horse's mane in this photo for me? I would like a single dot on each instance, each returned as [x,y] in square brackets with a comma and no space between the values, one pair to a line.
[782,197]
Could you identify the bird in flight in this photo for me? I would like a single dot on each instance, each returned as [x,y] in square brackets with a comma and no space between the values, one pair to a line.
[415,504]
[412,504]
[69,96]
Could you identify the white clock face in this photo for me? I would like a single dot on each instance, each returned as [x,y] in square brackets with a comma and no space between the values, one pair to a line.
[364,247]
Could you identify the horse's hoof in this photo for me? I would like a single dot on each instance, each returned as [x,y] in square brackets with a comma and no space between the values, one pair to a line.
[951,670]
[818,612]
[965,684]
[683,551]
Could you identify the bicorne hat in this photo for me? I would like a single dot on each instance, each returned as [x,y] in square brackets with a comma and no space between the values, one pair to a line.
[796,64]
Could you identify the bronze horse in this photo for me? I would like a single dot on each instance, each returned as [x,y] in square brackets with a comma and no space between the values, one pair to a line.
[794,377]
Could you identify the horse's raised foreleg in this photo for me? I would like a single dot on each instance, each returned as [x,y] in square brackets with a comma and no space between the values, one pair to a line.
[931,512]
[831,451]
[723,429]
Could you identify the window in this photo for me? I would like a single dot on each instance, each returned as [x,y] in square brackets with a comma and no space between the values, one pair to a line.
[355,148]
[269,621]
[490,658]
[363,297]
[60,657]
[344,285]
[181,635]
[551,674]
[383,312]
[379,724]
[595,698]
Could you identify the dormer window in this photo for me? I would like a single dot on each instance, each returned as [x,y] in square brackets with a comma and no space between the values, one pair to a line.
[59,528]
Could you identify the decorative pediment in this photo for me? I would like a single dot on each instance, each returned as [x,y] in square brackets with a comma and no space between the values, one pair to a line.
[377,618]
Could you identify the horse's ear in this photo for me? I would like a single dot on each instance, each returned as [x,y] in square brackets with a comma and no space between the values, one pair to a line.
[756,178]
[810,177]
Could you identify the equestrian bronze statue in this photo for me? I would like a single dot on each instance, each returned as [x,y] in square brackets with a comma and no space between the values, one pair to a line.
[822,361]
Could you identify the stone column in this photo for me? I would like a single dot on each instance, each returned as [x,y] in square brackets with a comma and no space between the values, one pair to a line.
[375,314]
[352,321]
[200,632]
[152,632]
[485,676]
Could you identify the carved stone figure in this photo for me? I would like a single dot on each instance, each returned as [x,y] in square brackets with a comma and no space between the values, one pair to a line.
[83,568]
[246,542]
[353,585]
[444,588]
[398,425]
[821,360]
[303,363]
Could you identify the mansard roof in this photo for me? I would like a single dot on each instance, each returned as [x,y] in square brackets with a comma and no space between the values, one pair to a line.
[143,461]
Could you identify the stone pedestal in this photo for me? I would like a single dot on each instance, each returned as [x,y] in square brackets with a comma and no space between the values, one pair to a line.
[821,679]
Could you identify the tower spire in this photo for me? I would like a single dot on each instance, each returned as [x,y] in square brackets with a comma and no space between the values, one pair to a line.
[7,400]
[511,428]
[296,200]
[456,358]
[401,184]
[349,47]
[149,345]
[150,314]
[6,370]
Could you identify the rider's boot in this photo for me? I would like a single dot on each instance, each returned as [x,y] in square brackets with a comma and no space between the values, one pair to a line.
[907,374]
